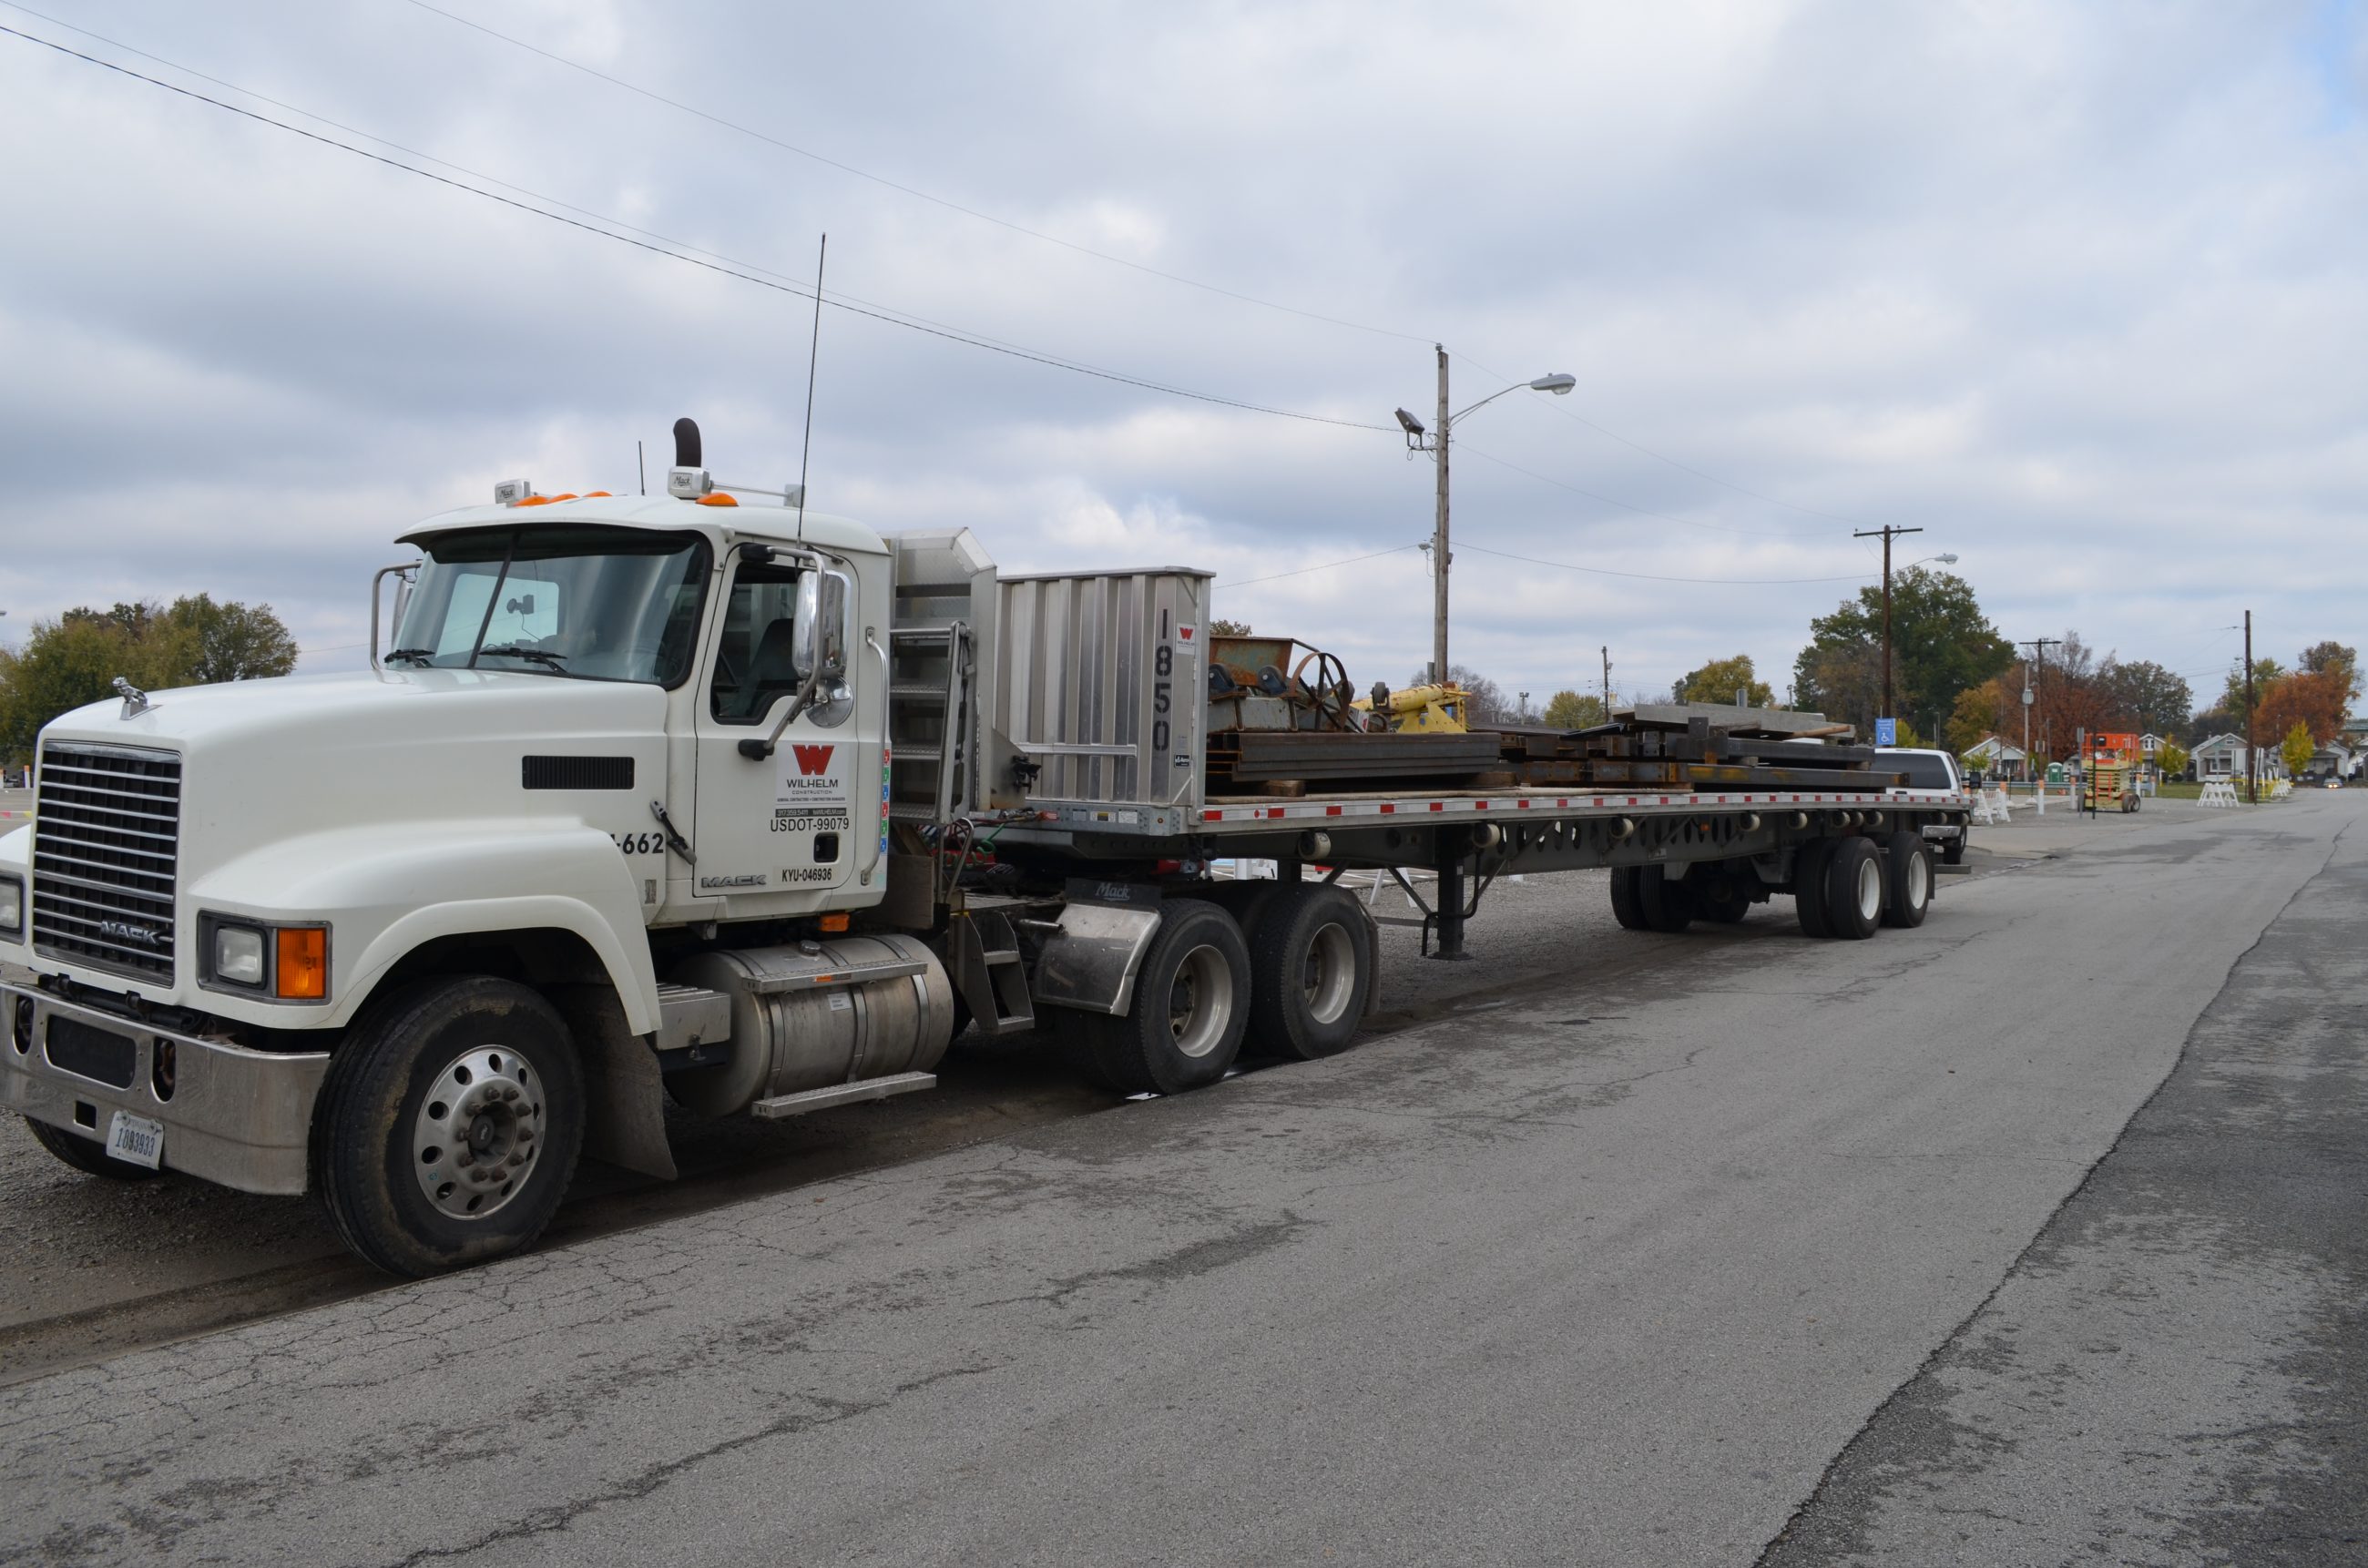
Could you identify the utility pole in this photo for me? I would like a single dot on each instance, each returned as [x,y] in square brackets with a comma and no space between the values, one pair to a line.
[2253,757]
[1606,683]
[1438,538]
[2039,645]
[1888,533]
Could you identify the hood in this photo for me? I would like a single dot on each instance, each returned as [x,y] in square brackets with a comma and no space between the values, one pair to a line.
[268,760]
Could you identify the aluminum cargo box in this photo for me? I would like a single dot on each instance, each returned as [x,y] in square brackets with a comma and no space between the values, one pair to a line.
[1102,683]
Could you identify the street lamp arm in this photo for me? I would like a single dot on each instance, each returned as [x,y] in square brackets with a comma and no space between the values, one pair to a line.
[1557,385]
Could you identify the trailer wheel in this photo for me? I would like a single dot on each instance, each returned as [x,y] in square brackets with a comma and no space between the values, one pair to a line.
[448,1129]
[1809,867]
[1953,853]
[1854,890]
[86,1154]
[1724,898]
[1908,881]
[1627,906]
[1309,973]
[1191,1005]
[1668,903]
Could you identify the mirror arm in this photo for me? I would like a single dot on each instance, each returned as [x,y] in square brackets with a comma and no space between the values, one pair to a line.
[755,750]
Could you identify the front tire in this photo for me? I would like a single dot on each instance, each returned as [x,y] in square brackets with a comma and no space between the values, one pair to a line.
[449,1127]
[86,1154]
[1192,1005]
[1310,977]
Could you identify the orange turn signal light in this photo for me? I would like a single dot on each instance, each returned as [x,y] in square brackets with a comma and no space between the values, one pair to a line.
[718,499]
[834,923]
[535,501]
[304,962]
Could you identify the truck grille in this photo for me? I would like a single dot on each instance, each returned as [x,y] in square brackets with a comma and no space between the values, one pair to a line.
[107,831]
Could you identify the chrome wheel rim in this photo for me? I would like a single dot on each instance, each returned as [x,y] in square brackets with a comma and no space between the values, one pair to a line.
[1328,977]
[1200,1002]
[1870,888]
[478,1133]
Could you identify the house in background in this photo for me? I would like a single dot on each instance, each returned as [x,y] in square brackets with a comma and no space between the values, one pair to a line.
[2222,757]
[2333,760]
[1996,758]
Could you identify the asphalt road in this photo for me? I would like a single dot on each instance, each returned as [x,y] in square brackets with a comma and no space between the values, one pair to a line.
[1714,1242]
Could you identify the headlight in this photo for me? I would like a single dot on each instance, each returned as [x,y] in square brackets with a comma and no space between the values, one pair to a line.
[12,906]
[238,955]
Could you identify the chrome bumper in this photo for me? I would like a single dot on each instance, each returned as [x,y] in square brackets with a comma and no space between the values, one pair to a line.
[238,1116]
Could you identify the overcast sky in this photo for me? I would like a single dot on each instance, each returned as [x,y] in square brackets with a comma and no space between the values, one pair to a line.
[2076,289]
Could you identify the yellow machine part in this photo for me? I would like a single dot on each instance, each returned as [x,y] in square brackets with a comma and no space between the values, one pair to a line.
[1432,709]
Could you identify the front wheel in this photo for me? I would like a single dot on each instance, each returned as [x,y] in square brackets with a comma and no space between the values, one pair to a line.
[86,1154]
[448,1129]
[1191,1003]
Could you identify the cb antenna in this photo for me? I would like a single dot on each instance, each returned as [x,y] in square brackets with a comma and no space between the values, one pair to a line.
[813,350]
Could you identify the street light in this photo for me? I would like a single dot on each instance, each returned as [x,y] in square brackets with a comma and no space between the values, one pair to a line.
[1418,440]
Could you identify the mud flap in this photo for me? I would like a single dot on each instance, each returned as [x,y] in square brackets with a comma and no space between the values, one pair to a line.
[624,1113]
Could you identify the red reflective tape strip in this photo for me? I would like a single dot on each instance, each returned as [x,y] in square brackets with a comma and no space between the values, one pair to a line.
[1388,807]
[1438,805]
[1274,810]
[1213,816]
[1479,805]
[1331,811]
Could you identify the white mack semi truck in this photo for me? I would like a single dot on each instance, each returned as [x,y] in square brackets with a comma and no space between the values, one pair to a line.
[704,795]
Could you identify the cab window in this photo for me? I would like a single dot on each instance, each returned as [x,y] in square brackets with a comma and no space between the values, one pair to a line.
[753,660]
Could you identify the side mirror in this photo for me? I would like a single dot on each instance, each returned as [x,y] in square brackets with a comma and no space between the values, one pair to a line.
[823,600]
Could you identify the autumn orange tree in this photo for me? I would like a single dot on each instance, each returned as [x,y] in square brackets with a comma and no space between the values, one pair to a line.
[2316,700]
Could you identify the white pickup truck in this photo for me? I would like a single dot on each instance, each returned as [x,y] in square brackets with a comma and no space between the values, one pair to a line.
[1934,775]
[703,795]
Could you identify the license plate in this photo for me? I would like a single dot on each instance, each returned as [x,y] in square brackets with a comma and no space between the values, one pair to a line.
[136,1138]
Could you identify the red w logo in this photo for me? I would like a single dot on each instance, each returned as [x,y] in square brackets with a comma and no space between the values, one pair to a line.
[813,759]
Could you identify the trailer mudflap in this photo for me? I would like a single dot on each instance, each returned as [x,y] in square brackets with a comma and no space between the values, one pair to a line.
[1091,958]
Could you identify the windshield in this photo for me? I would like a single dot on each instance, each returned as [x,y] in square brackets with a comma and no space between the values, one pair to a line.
[593,603]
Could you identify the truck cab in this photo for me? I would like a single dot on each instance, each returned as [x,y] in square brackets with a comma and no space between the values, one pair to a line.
[410,936]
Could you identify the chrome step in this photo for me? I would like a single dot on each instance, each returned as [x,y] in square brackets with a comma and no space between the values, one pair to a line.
[782,1106]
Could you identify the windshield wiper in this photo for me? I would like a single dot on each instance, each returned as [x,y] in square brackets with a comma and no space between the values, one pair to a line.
[513,651]
[416,655]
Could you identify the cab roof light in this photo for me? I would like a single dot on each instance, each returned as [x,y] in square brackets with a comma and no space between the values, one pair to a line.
[719,499]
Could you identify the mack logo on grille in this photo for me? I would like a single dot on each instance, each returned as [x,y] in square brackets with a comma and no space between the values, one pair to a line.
[124,931]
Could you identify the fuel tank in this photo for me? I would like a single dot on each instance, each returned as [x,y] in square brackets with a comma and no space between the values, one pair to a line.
[797,1024]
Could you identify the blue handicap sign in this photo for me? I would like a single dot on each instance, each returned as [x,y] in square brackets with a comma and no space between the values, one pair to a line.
[1886,731]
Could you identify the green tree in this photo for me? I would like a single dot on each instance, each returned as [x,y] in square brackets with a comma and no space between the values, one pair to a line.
[229,642]
[75,659]
[2296,749]
[2171,759]
[1229,627]
[1572,710]
[1942,643]
[2334,658]
[1720,679]
[2144,696]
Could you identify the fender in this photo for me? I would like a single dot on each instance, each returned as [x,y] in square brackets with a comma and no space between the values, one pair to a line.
[385,891]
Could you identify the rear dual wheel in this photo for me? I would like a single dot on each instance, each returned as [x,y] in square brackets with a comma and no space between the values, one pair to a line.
[1184,1024]
[1908,881]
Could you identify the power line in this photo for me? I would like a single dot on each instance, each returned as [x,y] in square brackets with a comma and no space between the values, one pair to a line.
[675,250]
[883,180]
[1304,571]
[1652,577]
[1610,500]
[1663,457]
